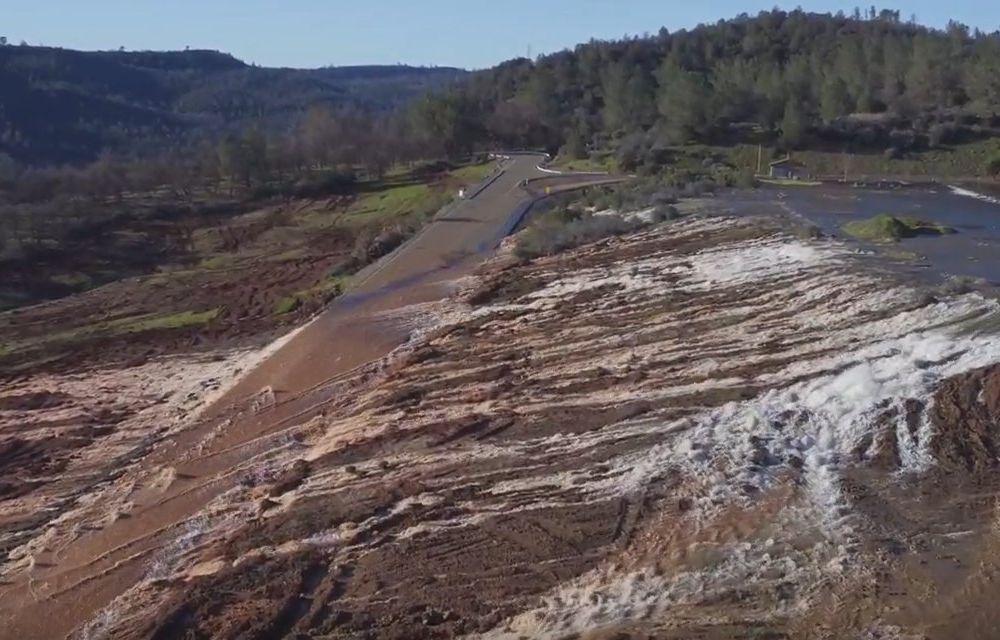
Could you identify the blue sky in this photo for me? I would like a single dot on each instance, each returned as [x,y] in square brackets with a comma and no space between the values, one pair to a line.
[466,33]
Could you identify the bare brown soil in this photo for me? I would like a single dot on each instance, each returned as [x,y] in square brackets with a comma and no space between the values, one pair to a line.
[261,266]
[156,462]
[444,582]
[966,413]
[616,442]
[246,296]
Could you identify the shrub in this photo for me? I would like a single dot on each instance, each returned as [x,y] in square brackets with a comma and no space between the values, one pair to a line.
[696,188]
[630,152]
[370,246]
[387,241]
[647,171]
[993,166]
[943,134]
[665,195]
[287,305]
[659,155]
[888,228]
[324,183]
[903,138]
[744,180]
[957,285]
[554,233]
[431,169]
[663,213]
[575,147]
[807,232]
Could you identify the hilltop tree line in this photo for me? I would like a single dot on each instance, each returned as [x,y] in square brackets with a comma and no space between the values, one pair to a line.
[62,106]
[327,153]
[867,80]
[864,81]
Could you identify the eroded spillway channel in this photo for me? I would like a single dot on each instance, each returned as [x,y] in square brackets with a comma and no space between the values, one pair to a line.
[707,427]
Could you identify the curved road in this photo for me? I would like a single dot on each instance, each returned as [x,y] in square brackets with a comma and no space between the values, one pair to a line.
[451,246]
[102,564]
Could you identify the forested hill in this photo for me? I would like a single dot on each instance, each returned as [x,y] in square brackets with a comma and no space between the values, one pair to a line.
[60,105]
[790,78]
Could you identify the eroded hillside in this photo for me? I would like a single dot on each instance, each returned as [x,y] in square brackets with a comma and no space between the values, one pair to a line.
[708,428]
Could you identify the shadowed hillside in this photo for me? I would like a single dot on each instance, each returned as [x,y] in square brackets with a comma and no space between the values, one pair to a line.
[60,105]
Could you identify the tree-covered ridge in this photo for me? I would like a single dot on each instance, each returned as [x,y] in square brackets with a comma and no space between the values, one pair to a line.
[793,76]
[60,105]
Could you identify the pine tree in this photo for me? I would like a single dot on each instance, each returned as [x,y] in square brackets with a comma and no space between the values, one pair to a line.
[793,125]
[614,82]
[683,103]
[834,99]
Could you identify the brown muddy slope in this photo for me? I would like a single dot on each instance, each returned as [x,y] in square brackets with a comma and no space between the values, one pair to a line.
[710,429]
[136,320]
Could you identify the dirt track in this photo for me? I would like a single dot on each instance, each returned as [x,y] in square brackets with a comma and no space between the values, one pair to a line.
[84,564]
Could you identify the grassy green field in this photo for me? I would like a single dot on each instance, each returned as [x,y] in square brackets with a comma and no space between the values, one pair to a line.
[390,201]
[400,198]
[473,173]
[180,320]
[604,163]
[330,287]
[969,160]
[118,327]
[393,202]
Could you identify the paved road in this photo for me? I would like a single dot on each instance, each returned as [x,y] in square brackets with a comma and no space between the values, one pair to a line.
[104,563]
[451,246]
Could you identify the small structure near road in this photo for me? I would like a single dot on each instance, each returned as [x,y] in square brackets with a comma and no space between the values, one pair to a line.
[788,169]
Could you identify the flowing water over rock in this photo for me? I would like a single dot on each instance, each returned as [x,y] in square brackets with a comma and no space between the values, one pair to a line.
[971,252]
[708,429]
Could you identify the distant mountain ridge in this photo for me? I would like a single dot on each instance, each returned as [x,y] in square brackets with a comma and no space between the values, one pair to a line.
[66,106]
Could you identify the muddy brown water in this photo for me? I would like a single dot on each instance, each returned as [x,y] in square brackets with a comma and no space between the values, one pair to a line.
[524,450]
[105,562]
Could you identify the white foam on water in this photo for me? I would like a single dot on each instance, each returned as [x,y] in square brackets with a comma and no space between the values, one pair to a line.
[751,262]
[605,599]
[752,442]
[642,215]
[968,193]
[869,349]
[856,364]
